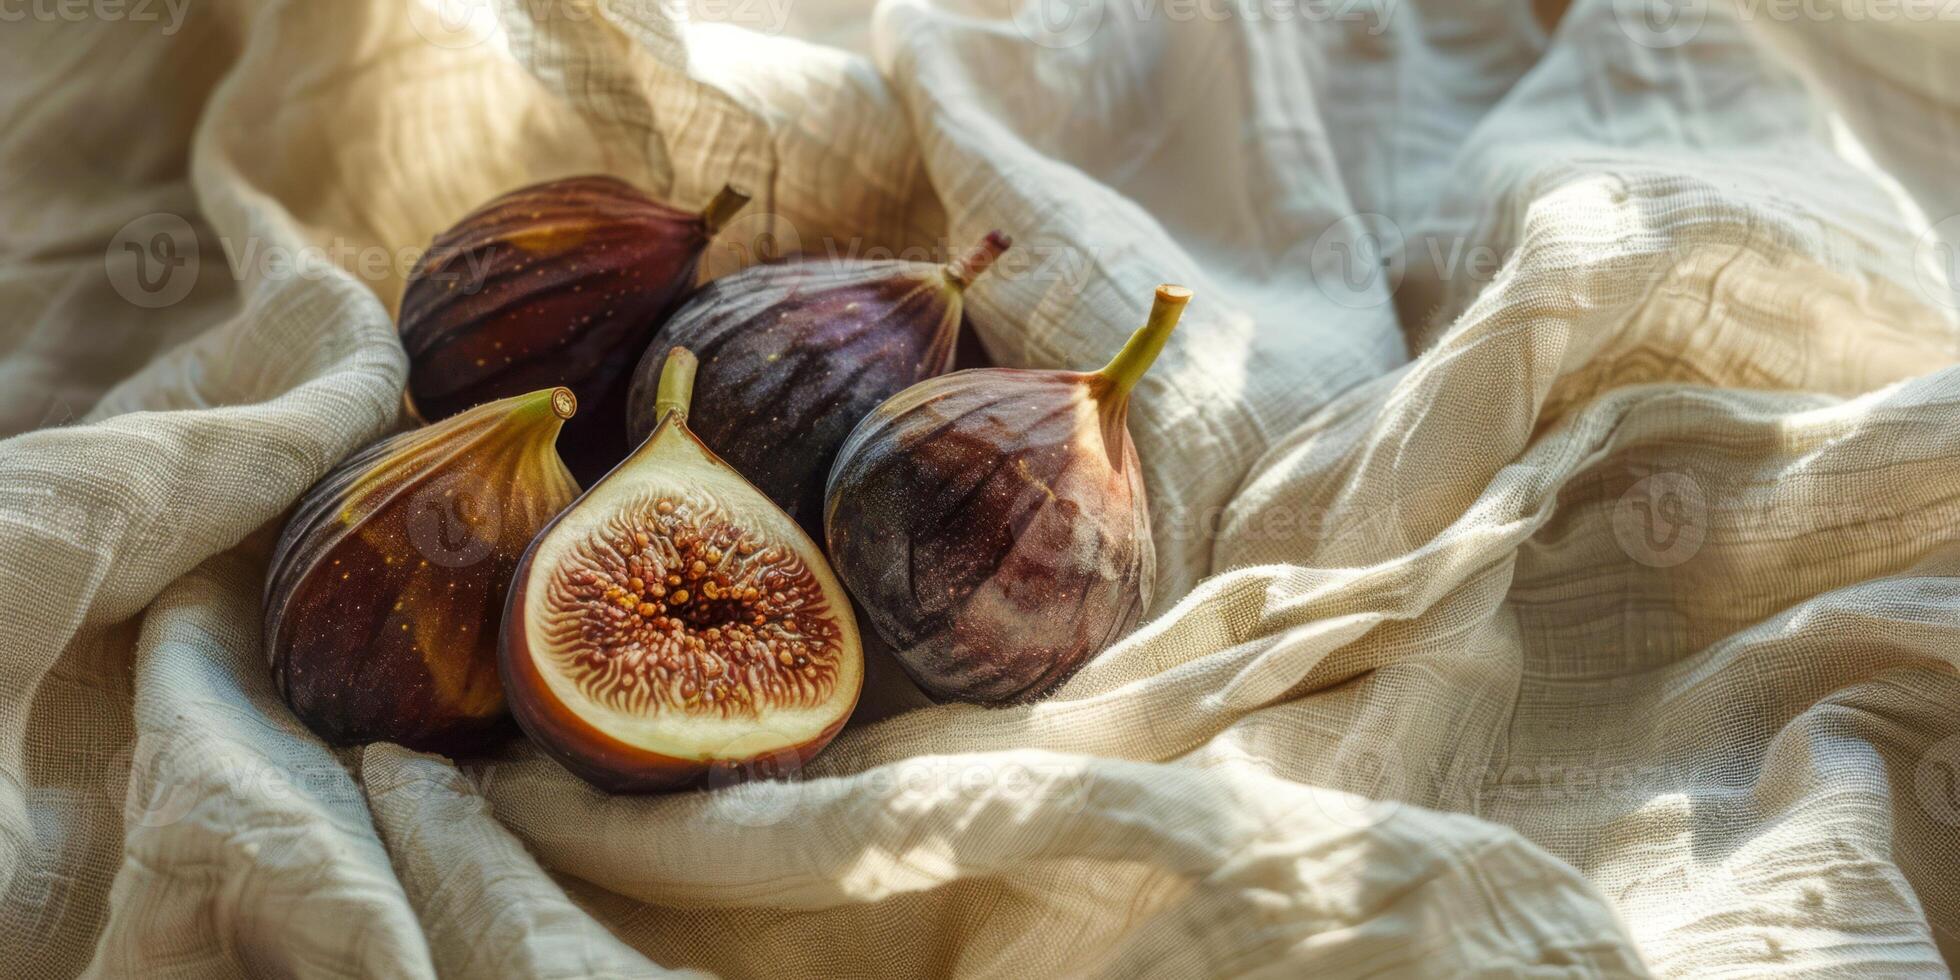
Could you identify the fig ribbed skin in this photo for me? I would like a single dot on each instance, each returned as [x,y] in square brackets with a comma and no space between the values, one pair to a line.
[559,283]
[992,524]
[793,355]
[388,583]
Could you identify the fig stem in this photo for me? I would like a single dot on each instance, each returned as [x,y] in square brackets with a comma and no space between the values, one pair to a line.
[556,404]
[676,384]
[978,259]
[564,404]
[727,203]
[1128,366]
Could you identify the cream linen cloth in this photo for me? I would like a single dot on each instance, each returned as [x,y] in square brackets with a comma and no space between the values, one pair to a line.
[1554,481]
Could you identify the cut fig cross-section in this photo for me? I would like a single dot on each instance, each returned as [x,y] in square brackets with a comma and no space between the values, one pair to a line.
[673,621]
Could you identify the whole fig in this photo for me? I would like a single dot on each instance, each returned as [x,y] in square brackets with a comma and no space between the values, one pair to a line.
[385,591]
[794,354]
[673,623]
[992,523]
[560,283]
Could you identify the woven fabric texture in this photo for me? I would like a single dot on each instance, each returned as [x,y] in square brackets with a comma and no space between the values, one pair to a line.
[1553,482]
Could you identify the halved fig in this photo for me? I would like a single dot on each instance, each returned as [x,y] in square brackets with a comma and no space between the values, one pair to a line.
[385,594]
[673,622]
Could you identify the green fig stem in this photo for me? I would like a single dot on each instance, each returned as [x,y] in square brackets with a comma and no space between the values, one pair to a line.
[1128,366]
[676,389]
[727,203]
[962,271]
[555,404]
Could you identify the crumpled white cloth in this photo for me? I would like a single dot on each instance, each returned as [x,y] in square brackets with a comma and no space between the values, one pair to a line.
[1553,481]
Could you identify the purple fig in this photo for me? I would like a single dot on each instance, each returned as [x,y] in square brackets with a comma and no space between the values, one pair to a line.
[992,523]
[386,589]
[560,283]
[794,354]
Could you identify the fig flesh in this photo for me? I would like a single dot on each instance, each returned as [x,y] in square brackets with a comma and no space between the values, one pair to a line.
[992,523]
[794,354]
[560,283]
[387,586]
[673,623]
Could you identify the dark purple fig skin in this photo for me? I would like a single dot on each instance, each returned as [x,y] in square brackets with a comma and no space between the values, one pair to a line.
[387,586]
[793,355]
[992,524]
[559,283]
